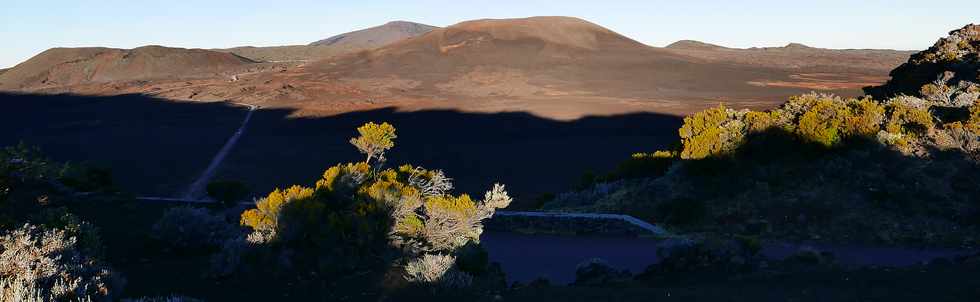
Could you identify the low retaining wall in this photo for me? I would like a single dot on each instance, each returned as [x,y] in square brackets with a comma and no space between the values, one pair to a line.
[573,224]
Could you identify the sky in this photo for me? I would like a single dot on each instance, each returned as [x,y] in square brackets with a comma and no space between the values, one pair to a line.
[29,27]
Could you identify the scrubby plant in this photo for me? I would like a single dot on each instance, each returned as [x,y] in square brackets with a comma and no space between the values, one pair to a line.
[802,164]
[943,93]
[865,117]
[86,178]
[644,165]
[189,227]
[430,268]
[823,123]
[374,140]
[227,191]
[265,217]
[48,264]
[908,121]
[598,272]
[359,210]
[22,163]
[711,132]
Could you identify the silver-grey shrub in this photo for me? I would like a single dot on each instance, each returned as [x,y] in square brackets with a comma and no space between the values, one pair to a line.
[48,265]
[189,227]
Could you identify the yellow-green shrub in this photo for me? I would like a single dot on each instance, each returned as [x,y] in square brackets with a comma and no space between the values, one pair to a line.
[374,139]
[710,132]
[906,120]
[759,121]
[823,123]
[268,210]
[865,117]
[356,207]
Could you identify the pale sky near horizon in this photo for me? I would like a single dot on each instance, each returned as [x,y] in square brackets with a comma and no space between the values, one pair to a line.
[29,27]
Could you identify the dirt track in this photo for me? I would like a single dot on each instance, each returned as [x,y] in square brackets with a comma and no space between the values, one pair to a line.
[197,189]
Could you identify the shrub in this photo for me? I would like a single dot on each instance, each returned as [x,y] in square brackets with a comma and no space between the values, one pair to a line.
[644,165]
[865,118]
[429,268]
[227,192]
[359,210]
[906,120]
[375,139]
[711,132]
[598,272]
[823,123]
[757,121]
[189,227]
[265,217]
[682,211]
[86,178]
[47,264]
[22,163]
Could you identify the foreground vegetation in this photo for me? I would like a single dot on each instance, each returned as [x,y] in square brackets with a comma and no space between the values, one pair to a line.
[398,230]
[897,170]
[817,168]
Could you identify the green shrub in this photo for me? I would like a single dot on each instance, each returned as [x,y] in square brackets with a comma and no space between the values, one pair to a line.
[227,192]
[906,120]
[374,140]
[682,211]
[85,178]
[823,123]
[645,165]
[710,132]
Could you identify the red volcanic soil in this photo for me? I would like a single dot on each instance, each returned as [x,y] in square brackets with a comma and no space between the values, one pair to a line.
[345,43]
[557,57]
[559,67]
[74,66]
[377,36]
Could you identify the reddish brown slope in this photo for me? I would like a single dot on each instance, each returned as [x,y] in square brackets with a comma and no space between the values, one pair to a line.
[797,56]
[345,43]
[64,67]
[549,56]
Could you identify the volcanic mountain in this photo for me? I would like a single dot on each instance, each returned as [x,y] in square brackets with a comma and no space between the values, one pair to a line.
[556,56]
[340,44]
[61,67]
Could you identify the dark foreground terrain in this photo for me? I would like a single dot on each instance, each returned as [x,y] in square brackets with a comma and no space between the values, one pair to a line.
[152,269]
[152,147]
[156,147]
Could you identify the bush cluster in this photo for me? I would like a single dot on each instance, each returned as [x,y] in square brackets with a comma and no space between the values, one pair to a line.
[805,168]
[49,265]
[822,120]
[227,192]
[190,228]
[360,209]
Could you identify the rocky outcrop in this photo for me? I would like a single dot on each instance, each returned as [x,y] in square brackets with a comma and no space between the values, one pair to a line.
[958,53]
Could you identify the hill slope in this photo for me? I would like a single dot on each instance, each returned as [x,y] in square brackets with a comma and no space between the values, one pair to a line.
[795,56]
[377,36]
[545,56]
[340,44]
[59,67]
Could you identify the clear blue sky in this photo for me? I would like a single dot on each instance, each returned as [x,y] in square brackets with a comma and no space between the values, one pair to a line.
[29,27]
